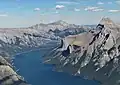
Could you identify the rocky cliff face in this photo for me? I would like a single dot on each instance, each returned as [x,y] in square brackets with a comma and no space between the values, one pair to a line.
[7,75]
[92,55]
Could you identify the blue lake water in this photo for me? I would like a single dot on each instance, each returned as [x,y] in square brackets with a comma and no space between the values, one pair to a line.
[36,73]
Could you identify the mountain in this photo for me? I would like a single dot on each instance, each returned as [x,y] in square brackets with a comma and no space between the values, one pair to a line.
[14,40]
[110,24]
[93,55]
[20,39]
[61,28]
[60,25]
[59,22]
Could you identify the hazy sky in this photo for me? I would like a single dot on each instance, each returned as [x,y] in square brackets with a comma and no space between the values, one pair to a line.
[22,13]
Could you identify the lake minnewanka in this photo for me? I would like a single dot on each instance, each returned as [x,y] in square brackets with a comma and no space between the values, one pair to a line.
[36,73]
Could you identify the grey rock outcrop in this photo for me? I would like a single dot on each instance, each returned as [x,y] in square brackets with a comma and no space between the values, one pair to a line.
[8,76]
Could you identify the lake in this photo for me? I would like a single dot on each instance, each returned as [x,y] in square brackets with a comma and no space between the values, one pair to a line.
[36,73]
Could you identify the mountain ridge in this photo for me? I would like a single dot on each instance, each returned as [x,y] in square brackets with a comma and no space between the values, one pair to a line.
[94,55]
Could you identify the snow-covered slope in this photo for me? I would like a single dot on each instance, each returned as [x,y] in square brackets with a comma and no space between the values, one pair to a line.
[93,55]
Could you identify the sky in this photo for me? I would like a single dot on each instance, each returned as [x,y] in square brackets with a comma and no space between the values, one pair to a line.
[25,13]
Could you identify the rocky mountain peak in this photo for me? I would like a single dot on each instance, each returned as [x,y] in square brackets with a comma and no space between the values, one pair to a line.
[106,21]
[109,24]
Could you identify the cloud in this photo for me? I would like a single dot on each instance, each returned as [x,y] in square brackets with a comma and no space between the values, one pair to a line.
[3,15]
[59,6]
[37,9]
[97,10]
[100,3]
[113,11]
[67,2]
[93,9]
[76,9]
